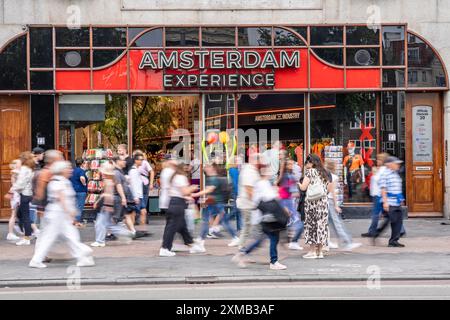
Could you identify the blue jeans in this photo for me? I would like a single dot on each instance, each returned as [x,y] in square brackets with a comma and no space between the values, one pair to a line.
[213,210]
[235,213]
[104,223]
[297,225]
[336,223]
[377,209]
[274,238]
[81,199]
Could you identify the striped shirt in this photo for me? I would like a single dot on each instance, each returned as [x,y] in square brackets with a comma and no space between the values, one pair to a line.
[392,183]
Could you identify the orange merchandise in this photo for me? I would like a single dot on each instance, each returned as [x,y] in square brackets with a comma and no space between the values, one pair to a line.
[356,161]
[299,153]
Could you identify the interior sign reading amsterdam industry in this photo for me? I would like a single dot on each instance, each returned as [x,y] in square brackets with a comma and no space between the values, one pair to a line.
[218,59]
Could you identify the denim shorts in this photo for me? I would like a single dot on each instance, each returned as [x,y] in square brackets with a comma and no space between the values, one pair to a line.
[33,213]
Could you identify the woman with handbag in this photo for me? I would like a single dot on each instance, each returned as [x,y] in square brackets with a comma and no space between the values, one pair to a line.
[316,183]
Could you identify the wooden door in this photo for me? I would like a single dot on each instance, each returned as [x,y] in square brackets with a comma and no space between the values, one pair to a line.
[424,162]
[14,139]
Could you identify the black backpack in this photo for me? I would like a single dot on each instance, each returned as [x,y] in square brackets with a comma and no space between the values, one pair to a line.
[280,217]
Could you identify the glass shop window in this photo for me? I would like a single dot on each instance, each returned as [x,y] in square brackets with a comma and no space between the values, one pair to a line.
[393,45]
[182,37]
[152,38]
[105,57]
[72,58]
[13,65]
[332,55]
[109,37]
[41,44]
[342,130]
[422,59]
[66,37]
[218,37]
[393,78]
[362,35]
[286,38]
[255,37]
[361,57]
[326,36]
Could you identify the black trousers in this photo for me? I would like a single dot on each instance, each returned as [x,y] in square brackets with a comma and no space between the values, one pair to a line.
[175,222]
[24,214]
[395,218]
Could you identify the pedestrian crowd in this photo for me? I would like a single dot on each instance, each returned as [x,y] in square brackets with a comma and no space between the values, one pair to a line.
[269,196]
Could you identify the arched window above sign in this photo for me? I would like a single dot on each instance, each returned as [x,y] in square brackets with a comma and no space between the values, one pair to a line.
[13,65]
[152,38]
[285,38]
[425,69]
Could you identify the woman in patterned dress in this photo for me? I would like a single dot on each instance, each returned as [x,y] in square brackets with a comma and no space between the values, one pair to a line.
[316,211]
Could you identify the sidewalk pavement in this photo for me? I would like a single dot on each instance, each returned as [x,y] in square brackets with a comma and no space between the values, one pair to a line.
[425,257]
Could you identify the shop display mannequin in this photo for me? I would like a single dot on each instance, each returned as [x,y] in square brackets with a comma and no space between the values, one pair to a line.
[353,168]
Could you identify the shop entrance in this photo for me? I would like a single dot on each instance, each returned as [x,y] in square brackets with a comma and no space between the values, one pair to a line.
[424,158]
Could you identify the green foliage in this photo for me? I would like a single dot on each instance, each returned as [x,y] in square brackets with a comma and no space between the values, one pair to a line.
[152,117]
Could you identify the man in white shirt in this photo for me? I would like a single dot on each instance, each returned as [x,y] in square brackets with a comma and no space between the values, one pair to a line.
[166,173]
[272,156]
[136,184]
[248,177]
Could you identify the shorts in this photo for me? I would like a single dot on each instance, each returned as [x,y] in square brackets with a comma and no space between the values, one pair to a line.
[144,200]
[15,201]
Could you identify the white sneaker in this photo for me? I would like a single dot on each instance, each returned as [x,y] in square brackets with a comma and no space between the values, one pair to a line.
[18,231]
[333,245]
[97,244]
[86,262]
[352,246]
[166,253]
[234,243]
[197,248]
[36,233]
[310,255]
[277,266]
[23,242]
[39,265]
[212,235]
[294,246]
[179,248]
[239,260]
[320,256]
[12,237]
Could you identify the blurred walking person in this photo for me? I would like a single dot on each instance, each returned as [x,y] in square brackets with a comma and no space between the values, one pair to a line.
[136,184]
[24,187]
[105,222]
[265,197]
[148,177]
[122,151]
[288,192]
[217,196]
[14,200]
[375,193]
[248,178]
[124,204]
[316,183]
[59,214]
[334,210]
[180,192]
[392,196]
[79,183]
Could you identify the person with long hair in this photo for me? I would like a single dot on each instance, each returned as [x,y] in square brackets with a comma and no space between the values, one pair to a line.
[180,191]
[316,183]
[24,187]
[58,219]
[287,192]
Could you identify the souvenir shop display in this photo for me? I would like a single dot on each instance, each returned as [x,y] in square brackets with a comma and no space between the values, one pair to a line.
[318,146]
[335,154]
[95,158]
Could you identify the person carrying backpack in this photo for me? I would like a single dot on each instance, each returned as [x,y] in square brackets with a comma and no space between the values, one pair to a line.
[274,219]
[218,196]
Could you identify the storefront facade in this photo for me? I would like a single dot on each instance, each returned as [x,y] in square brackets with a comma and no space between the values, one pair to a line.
[375,87]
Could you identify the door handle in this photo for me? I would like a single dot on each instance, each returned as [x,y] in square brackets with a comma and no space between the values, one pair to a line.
[440,173]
